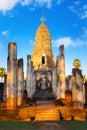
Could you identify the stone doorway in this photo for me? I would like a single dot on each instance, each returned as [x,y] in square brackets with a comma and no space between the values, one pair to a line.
[43,59]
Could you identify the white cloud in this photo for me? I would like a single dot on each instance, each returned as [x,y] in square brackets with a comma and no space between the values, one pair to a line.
[77,2]
[5,32]
[84,33]
[43,2]
[84,12]
[10,14]
[72,8]
[40,3]
[6,5]
[79,10]
[26,2]
[32,8]
[84,15]
[60,1]
[67,41]
[85,7]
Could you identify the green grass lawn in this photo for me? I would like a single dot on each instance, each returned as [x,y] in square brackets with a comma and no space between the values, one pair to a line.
[74,125]
[16,125]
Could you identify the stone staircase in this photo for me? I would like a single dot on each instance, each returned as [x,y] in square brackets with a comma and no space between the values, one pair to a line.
[46,112]
[40,113]
[50,113]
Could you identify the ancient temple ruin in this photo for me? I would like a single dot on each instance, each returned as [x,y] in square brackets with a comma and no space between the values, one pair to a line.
[45,79]
[45,82]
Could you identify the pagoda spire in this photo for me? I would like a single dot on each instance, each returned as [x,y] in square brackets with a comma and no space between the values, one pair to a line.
[43,18]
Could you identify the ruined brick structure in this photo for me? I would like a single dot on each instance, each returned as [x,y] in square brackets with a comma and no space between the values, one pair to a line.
[45,82]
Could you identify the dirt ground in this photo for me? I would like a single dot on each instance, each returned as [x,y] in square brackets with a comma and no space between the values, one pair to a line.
[48,126]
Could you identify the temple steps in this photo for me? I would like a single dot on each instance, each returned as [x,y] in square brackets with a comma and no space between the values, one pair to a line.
[40,113]
[45,112]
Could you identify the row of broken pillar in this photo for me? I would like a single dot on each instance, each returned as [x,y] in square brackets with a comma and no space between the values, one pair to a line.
[15,78]
[76,81]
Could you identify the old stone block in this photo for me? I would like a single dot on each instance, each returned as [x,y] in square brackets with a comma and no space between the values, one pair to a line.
[11,103]
[68,98]
[79,114]
[65,114]
[49,114]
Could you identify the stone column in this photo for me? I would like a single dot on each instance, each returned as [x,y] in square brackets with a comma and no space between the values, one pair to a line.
[30,79]
[61,72]
[33,82]
[20,82]
[77,84]
[5,87]
[54,83]
[12,76]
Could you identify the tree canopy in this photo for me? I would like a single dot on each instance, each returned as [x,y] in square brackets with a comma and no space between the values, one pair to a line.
[76,63]
[2,72]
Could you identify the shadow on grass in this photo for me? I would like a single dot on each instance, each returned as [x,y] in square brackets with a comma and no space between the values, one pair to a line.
[74,125]
[16,125]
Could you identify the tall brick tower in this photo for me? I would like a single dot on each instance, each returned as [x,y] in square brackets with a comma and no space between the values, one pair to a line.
[42,55]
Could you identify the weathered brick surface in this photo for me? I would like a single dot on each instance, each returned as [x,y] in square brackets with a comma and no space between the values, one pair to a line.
[78,114]
[47,114]
[9,114]
[44,113]
[65,113]
[40,113]
[11,103]
[42,47]
[68,98]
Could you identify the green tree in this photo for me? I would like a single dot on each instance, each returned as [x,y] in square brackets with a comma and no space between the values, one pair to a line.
[76,63]
[2,72]
[85,78]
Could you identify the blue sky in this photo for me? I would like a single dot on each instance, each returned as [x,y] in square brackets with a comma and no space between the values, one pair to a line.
[66,21]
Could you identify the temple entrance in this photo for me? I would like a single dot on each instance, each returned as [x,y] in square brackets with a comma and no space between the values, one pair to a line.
[43,59]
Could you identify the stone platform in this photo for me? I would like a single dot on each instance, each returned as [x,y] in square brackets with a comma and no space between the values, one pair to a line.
[40,113]
[46,112]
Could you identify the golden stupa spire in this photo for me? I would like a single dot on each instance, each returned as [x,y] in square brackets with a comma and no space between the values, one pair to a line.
[43,18]
[42,55]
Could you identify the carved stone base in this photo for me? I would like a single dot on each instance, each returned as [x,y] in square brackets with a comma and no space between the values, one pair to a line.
[11,103]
